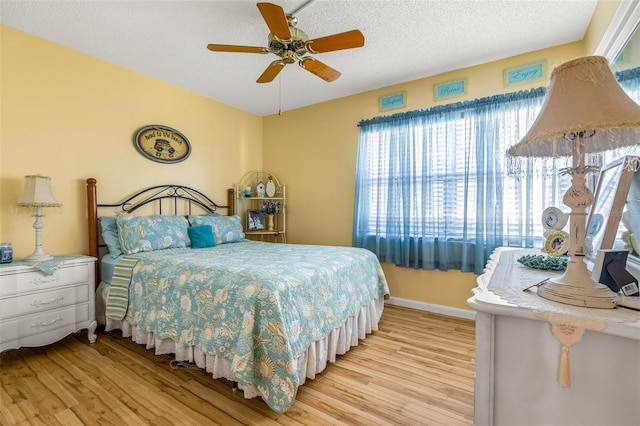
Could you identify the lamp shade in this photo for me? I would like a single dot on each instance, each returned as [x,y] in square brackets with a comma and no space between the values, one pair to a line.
[583,96]
[37,193]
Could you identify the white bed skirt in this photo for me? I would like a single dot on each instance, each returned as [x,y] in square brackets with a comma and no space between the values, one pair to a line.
[312,362]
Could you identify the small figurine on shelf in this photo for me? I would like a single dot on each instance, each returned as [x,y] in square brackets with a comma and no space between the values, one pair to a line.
[260,189]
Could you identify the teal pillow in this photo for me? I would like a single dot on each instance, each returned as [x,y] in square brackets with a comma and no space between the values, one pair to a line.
[226,229]
[158,232]
[201,236]
[109,230]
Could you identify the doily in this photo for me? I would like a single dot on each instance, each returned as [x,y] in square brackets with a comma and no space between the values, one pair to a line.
[507,278]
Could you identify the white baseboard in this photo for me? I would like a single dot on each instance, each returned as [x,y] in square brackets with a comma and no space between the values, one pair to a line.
[430,307]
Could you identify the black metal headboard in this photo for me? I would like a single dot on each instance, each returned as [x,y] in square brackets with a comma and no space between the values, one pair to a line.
[173,193]
[170,192]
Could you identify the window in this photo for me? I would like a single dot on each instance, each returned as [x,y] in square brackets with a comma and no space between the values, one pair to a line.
[435,189]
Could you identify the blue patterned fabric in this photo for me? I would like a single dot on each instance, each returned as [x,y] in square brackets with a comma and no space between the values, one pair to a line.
[257,304]
[146,233]
[226,229]
[109,230]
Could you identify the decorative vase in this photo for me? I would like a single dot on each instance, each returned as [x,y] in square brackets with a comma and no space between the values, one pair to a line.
[270,222]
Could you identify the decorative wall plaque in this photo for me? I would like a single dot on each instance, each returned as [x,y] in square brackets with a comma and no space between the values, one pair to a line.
[162,144]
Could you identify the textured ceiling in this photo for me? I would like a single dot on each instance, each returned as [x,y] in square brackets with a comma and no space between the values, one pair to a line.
[404,40]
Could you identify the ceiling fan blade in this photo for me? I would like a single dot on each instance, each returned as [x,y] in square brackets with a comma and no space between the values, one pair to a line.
[234,48]
[276,20]
[271,72]
[319,69]
[346,40]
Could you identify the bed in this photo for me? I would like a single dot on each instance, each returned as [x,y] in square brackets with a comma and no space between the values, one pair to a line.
[265,316]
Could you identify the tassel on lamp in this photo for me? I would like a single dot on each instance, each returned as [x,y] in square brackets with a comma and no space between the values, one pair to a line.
[37,193]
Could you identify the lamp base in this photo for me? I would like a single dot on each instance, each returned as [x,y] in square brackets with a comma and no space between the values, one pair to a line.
[37,257]
[588,294]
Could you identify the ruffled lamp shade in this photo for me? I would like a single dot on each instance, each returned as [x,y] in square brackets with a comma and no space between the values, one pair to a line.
[585,111]
[37,193]
[583,95]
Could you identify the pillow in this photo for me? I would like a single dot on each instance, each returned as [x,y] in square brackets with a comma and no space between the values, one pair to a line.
[158,232]
[201,236]
[226,229]
[109,229]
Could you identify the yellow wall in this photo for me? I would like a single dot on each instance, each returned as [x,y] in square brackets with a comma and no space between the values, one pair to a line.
[70,116]
[602,15]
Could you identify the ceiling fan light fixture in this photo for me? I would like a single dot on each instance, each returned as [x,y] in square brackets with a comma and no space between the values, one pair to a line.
[288,57]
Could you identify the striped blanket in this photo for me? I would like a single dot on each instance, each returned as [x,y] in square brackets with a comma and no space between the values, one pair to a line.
[118,300]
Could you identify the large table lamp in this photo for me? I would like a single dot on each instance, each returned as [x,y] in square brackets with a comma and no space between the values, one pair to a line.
[37,193]
[585,111]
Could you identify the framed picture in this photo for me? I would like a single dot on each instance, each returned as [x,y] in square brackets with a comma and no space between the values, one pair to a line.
[450,89]
[255,220]
[557,243]
[392,101]
[609,202]
[523,74]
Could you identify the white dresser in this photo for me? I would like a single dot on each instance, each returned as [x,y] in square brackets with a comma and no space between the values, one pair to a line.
[38,309]
[519,358]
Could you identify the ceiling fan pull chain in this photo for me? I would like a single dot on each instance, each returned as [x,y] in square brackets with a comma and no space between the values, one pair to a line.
[280,95]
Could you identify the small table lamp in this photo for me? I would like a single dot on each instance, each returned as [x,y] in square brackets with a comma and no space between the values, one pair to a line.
[37,193]
[585,110]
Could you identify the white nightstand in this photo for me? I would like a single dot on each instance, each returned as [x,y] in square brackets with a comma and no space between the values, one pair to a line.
[38,309]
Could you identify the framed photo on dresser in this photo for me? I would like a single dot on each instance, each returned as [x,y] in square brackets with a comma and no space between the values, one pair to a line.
[610,198]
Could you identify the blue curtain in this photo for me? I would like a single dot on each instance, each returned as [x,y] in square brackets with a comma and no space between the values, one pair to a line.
[430,185]
[433,189]
[630,82]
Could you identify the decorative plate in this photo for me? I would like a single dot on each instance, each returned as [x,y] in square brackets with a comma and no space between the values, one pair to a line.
[554,218]
[557,243]
[162,144]
[595,224]
[271,188]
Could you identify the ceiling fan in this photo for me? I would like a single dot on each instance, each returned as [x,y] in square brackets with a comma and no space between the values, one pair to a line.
[292,44]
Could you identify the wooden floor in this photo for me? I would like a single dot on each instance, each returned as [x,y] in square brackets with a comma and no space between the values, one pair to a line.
[417,369]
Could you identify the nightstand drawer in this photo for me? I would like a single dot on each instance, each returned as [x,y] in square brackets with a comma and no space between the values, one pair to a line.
[43,301]
[25,279]
[44,328]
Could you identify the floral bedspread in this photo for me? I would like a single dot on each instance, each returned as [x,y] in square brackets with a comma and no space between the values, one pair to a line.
[260,305]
